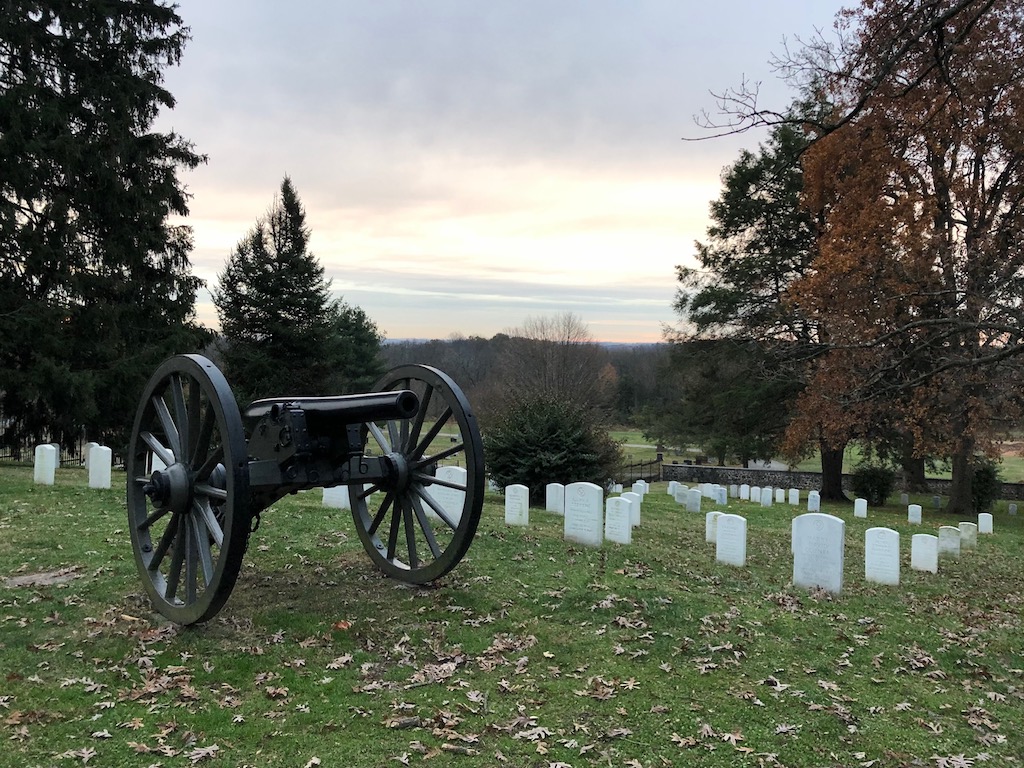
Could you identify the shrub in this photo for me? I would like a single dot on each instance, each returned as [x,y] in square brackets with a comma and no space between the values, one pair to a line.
[985,485]
[873,483]
[545,440]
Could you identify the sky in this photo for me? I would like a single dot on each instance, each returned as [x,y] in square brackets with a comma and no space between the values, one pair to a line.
[466,164]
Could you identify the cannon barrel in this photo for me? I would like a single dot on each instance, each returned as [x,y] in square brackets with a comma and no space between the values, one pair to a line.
[333,412]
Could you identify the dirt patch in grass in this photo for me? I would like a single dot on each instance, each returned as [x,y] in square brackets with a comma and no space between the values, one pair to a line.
[44,578]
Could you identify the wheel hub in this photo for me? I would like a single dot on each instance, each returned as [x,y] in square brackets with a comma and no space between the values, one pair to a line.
[170,487]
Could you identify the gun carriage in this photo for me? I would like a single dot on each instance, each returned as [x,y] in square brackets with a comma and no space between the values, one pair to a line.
[200,472]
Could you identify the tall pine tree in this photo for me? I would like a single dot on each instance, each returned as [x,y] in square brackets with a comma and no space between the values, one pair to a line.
[283,333]
[95,284]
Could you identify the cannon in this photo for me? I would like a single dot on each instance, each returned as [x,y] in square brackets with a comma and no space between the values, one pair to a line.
[200,472]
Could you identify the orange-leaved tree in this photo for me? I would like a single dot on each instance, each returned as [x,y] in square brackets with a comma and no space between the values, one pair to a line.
[920,270]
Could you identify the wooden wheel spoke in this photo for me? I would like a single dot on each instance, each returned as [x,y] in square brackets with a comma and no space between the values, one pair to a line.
[426,479]
[441,512]
[215,458]
[194,420]
[367,491]
[180,418]
[177,560]
[166,541]
[425,526]
[381,513]
[396,520]
[191,561]
[431,434]
[204,433]
[439,456]
[201,549]
[170,430]
[158,448]
[210,519]
[209,491]
[158,514]
[410,533]
[382,441]
[417,425]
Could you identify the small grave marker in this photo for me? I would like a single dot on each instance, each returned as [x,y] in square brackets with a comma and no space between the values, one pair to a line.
[100,459]
[336,497]
[949,541]
[731,540]
[693,498]
[814,501]
[860,507]
[517,505]
[451,500]
[711,527]
[584,514]
[766,497]
[554,498]
[636,500]
[914,514]
[818,549]
[985,522]
[924,552]
[618,526]
[744,492]
[794,497]
[968,535]
[882,556]
[45,467]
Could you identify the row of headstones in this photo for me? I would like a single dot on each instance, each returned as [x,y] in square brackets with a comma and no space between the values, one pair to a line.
[98,460]
[818,547]
[589,518]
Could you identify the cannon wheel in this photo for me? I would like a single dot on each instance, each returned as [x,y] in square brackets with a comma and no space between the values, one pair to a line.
[418,524]
[189,519]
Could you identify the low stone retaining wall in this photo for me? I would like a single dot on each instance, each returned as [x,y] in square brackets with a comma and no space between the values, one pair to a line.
[805,481]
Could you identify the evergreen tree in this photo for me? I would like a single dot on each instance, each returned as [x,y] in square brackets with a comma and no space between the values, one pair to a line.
[95,284]
[283,333]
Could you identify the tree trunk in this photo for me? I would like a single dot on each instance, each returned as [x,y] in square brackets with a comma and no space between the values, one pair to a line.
[832,473]
[961,502]
[913,473]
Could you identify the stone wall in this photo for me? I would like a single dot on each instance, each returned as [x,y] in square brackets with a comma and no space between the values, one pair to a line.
[805,481]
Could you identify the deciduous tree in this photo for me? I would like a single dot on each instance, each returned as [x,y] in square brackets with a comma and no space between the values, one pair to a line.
[921,191]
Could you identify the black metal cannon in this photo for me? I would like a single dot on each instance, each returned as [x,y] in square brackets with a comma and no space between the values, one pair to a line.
[190,518]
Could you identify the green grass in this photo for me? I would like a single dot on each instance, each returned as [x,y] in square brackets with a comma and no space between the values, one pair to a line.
[533,652]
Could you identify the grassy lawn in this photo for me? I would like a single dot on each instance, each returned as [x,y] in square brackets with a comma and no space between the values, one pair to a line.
[533,652]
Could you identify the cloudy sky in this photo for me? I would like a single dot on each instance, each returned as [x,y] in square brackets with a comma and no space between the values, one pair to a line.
[465,164]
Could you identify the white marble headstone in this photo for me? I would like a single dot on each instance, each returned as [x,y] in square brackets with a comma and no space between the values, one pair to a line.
[731,540]
[639,487]
[88,447]
[584,514]
[693,497]
[1013,509]
[794,497]
[100,459]
[672,485]
[680,494]
[985,522]
[904,499]
[882,556]
[723,496]
[968,535]
[636,501]
[860,507]
[766,497]
[744,492]
[618,525]
[554,498]
[924,552]
[517,504]
[451,500]
[336,497]
[711,527]
[45,467]
[780,495]
[914,514]
[818,550]
[949,541]
[813,501]
[734,491]
[755,494]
